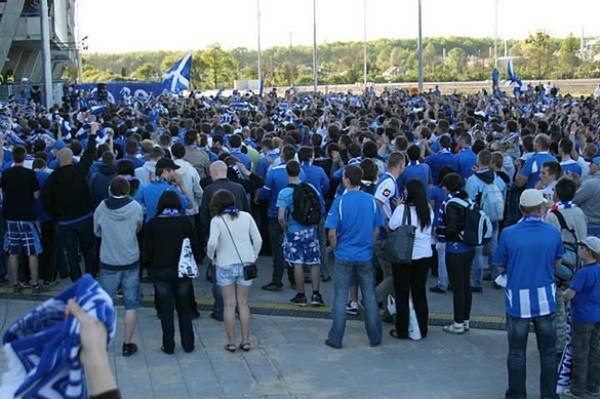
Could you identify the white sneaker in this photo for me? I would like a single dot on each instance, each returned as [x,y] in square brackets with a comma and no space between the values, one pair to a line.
[466,325]
[454,328]
[352,308]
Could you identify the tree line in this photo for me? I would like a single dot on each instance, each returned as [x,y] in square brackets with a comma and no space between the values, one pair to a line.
[538,56]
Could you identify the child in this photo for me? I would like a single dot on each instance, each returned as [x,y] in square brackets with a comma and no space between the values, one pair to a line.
[585,312]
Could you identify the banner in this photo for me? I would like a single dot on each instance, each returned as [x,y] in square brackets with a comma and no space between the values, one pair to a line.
[125,91]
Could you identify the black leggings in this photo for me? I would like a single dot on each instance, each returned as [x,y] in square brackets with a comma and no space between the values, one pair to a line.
[411,278]
[459,276]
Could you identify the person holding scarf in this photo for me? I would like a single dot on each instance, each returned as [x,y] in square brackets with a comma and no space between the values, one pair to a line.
[163,239]
[233,242]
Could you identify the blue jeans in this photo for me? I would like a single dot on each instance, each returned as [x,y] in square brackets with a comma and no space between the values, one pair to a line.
[342,274]
[128,279]
[442,270]
[279,266]
[477,265]
[217,296]
[518,331]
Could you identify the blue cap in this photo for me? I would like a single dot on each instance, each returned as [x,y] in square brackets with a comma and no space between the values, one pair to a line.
[58,145]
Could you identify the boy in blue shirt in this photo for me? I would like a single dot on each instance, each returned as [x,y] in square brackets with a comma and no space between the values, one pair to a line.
[584,294]
[301,243]
[352,239]
[529,174]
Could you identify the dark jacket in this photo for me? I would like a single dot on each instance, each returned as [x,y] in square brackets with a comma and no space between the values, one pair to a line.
[163,236]
[67,195]
[241,201]
[452,221]
[100,182]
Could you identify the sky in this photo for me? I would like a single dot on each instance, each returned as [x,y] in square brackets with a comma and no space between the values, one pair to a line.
[142,25]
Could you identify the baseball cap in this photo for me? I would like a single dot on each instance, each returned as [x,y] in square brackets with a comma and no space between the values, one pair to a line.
[596,160]
[166,163]
[532,197]
[593,243]
[58,145]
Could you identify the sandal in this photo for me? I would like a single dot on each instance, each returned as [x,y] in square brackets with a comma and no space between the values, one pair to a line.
[245,346]
[230,348]
[395,334]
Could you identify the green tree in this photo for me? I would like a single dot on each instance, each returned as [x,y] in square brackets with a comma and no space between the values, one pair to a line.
[220,66]
[539,52]
[145,72]
[431,56]
[457,61]
[567,57]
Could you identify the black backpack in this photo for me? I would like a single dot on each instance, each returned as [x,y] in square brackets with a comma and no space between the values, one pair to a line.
[307,206]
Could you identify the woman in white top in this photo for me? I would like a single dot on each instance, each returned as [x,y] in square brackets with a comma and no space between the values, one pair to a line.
[234,241]
[412,277]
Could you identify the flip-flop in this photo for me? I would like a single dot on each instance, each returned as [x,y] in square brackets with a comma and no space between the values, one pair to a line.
[230,348]
[245,346]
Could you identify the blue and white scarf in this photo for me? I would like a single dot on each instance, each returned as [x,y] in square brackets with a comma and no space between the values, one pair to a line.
[42,347]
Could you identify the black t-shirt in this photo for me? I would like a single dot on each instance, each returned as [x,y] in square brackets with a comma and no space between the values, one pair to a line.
[18,185]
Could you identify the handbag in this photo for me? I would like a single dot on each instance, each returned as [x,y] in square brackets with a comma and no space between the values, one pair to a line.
[250,269]
[570,262]
[187,267]
[398,246]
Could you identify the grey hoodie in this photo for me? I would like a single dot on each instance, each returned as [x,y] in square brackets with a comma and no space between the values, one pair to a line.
[117,222]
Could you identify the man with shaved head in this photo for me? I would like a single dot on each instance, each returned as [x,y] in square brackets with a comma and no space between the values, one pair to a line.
[218,175]
[67,201]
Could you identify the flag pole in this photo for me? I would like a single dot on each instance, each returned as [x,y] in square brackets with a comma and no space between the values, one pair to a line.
[258,37]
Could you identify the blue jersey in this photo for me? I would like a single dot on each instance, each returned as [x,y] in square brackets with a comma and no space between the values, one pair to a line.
[533,167]
[528,251]
[466,159]
[439,160]
[586,304]
[415,171]
[276,180]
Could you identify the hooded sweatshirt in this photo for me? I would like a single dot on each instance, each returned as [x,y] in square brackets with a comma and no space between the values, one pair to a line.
[191,182]
[477,182]
[100,182]
[117,222]
[145,174]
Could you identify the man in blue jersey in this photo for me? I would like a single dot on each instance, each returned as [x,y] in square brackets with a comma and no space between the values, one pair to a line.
[235,143]
[466,158]
[352,239]
[528,253]
[415,170]
[568,164]
[277,180]
[529,174]
[442,158]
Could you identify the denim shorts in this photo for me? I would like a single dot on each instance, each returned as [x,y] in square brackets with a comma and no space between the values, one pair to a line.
[22,235]
[302,248]
[232,274]
[128,279]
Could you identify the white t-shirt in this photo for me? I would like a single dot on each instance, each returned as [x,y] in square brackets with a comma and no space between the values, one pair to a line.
[423,238]
[384,193]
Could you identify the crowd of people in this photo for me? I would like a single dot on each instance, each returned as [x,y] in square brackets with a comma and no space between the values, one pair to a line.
[483,187]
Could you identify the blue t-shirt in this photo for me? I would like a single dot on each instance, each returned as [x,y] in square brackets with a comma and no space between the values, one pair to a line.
[354,234]
[437,195]
[243,158]
[585,307]
[276,180]
[466,159]
[414,171]
[528,250]
[439,160]
[571,166]
[533,167]
[149,195]
[285,199]
[316,176]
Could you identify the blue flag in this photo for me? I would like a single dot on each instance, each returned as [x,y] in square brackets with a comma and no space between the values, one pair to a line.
[178,77]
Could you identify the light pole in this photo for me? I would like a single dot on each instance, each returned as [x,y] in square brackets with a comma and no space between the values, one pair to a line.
[46,55]
[365,42]
[496,35]
[258,38]
[420,51]
[315,77]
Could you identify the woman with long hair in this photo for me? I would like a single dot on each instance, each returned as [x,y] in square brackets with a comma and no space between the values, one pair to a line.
[163,238]
[411,278]
[233,243]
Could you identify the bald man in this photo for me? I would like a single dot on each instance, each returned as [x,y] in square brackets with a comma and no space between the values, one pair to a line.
[67,200]
[218,175]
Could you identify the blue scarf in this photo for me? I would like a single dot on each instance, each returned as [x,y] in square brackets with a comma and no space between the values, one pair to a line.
[170,212]
[42,347]
[231,210]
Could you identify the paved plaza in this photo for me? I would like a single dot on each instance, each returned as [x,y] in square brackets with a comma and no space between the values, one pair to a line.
[289,359]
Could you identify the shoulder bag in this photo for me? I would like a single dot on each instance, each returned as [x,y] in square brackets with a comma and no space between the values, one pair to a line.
[398,246]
